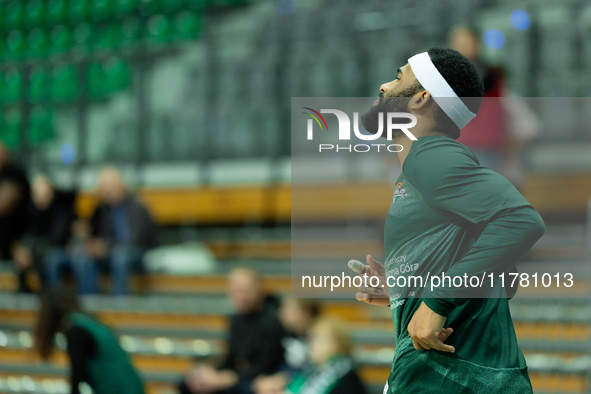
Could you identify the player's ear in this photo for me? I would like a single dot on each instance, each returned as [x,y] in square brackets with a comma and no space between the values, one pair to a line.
[420,101]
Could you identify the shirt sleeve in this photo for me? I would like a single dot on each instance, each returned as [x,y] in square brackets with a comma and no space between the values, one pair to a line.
[452,182]
[81,346]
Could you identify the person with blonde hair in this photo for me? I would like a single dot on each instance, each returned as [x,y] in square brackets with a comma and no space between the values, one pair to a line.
[332,370]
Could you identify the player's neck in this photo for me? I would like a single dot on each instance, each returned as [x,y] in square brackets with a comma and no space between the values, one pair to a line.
[406,142]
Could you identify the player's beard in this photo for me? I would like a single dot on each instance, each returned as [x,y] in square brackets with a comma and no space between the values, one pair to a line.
[370,120]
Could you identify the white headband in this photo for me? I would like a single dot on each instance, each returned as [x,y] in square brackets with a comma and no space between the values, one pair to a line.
[428,76]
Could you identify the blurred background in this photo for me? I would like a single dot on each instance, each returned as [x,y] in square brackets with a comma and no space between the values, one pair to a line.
[146,154]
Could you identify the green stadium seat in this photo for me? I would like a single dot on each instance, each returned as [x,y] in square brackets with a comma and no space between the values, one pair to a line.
[96,87]
[158,29]
[79,10]
[12,89]
[124,8]
[105,78]
[151,7]
[40,126]
[64,83]
[117,73]
[15,44]
[82,35]
[101,9]
[130,32]
[39,84]
[11,130]
[61,38]
[38,43]
[172,5]
[2,14]
[196,4]
[35,12]
[107,38]
[229,2]
[187,25]
[57,11]
[15,12]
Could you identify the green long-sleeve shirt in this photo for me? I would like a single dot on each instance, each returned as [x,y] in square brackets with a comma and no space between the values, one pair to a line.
[450,214]
[108,369]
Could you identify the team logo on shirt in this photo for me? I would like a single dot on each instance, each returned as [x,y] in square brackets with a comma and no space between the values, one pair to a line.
[399,192]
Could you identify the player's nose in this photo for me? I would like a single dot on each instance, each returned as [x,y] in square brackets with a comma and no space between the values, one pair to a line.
[384,88]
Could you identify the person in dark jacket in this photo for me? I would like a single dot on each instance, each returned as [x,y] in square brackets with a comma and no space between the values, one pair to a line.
[332,370]
[254,342]
[94,352]
[120,231]
[49,227]
[14,202]
[296,316]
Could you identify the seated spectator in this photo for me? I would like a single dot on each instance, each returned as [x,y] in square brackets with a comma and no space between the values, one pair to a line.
[95,354]
[332,371]
[296,316]
[50,221]
[254,343]
[14,203]
[117,236]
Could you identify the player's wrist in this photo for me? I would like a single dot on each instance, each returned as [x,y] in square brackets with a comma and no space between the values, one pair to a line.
[439,306]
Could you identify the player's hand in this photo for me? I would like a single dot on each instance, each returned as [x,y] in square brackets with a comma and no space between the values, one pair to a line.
[427,332]
[22,257]
[96,248]
[205,380]
[372,295]
[81,229]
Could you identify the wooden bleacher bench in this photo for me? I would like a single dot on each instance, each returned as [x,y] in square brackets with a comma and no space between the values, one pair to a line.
[175,367]
[359,316]
[322,201]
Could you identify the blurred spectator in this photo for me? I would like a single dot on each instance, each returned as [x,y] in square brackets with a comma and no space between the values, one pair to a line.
[50,220]
[14,202]
[332,370]
[95,355]
[254,343]
[485,135]
[503,127]
[117,236]
[296,316]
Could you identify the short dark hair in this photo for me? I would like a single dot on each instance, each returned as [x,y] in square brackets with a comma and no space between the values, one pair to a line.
[56,304]
[461,74]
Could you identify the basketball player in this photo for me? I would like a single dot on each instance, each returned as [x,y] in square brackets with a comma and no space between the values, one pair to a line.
[449,215]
